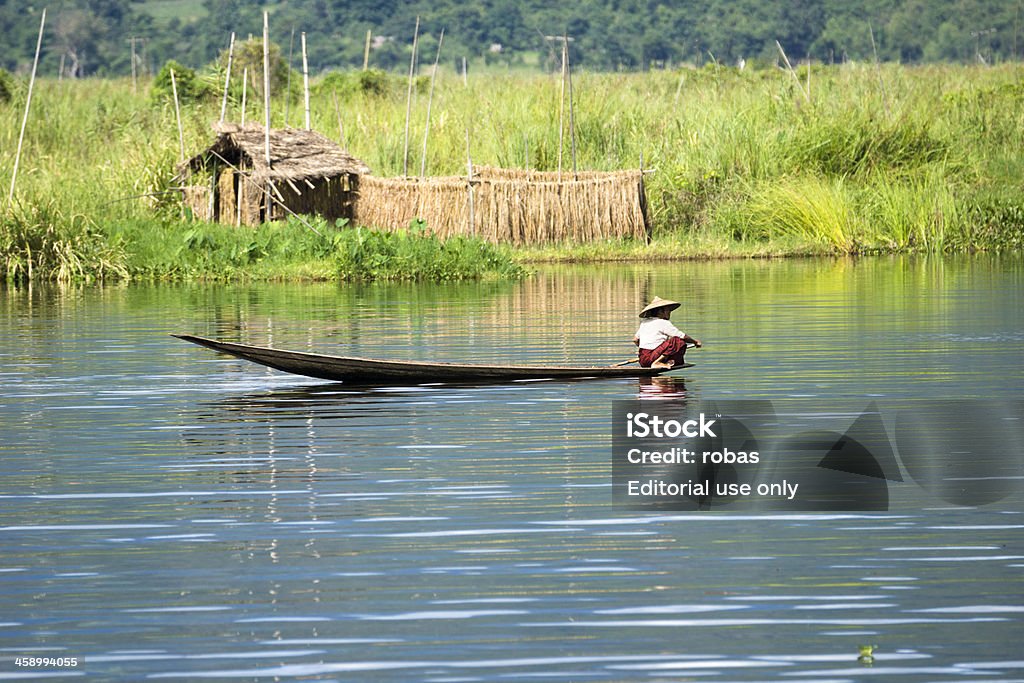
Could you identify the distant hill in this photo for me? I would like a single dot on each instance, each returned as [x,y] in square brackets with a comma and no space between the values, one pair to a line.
[92,36]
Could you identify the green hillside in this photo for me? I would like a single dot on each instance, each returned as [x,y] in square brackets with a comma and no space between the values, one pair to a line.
[92,35]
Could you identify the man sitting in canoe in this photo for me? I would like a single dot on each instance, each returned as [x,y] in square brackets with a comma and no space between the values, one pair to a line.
[661,344]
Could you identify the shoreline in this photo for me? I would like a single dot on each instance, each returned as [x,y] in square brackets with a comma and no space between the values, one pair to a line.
[746,168]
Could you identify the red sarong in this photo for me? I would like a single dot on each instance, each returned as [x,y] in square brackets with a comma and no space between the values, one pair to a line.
[673,348]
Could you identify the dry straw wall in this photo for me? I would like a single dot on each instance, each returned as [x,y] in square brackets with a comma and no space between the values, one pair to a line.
[511,206]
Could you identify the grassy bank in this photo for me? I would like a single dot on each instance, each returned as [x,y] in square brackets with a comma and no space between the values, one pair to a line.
[916,159]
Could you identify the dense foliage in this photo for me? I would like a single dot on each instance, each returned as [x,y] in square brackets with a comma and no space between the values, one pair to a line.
[91,36]
[900,158]
[415,255]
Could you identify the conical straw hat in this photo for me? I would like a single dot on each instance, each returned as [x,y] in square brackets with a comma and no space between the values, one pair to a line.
[659,303]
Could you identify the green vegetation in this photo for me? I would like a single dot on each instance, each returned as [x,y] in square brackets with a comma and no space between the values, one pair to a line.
[413,255]
[607,34]
[6,86]
[747,164]
[185,82]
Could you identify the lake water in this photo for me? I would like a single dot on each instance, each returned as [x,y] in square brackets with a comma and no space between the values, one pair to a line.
[169,512]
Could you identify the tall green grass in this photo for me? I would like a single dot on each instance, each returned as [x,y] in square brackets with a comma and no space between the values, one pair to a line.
[412,255]
[809,210]
[741,160]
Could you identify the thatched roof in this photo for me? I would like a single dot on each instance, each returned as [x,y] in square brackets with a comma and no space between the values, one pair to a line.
[294,154]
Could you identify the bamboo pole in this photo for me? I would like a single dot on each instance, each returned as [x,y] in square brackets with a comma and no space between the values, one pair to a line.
[213,197]
[430,101]
[469,185]
[288,83]
[572,116]
[266,87]
[366,50]
[305,78]
[177,115]
[238,200]
[679,88]
[266,110]
[245,87]
[878,70]
[643,200]
[792,72]
[227,78]
[561,115]
[28,104]
[408,99]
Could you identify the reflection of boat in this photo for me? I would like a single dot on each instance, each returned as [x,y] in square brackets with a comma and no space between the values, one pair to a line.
[371,371]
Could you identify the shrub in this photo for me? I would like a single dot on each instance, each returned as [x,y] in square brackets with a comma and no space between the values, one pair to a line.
[348,83]
[190,87]
[412,255]
[41,242]
[248,55]
[6,86]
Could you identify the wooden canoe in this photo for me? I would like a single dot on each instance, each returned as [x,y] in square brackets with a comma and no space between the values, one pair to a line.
[373,371]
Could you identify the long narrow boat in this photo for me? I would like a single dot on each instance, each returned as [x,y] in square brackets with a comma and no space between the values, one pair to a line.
[373,371]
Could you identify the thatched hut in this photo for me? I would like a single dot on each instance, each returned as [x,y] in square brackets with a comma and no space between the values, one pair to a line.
[231,181]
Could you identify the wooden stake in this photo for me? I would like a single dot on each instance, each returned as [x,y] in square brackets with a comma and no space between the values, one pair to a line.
[305,78]
[227,78]
[430,101]
[878,70]
[465,73]
[408,99]
[288,83]
[60,70]
[561,114]
[266,89]
[269,201]
[213,196]
[366,50]
[28,104]
[177,115]
[572,117]
[469,185]
[643,201]
[245,87]
[792,72]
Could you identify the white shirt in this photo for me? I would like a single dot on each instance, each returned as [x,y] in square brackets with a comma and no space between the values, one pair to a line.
[654,331]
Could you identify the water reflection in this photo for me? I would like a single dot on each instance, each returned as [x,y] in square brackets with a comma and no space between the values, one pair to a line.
[168,513]
[662,387]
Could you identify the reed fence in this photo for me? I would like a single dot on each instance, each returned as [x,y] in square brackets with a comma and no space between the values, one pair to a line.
[511,206]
